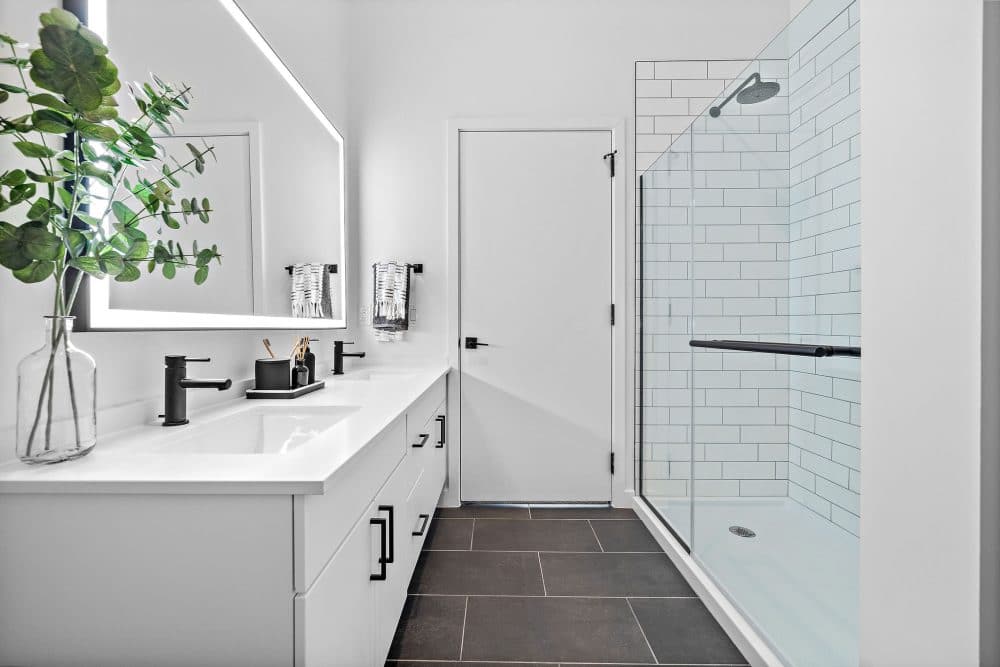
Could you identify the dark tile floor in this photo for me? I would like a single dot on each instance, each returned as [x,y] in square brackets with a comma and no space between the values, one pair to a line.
[589,586]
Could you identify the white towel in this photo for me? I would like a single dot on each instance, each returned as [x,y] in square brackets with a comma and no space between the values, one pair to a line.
[311,295]
[390,311]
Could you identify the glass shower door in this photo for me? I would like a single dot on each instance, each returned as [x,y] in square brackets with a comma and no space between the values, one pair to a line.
[665,305]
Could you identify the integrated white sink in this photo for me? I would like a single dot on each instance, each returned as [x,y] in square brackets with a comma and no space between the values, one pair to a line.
[377,376]
[256,430]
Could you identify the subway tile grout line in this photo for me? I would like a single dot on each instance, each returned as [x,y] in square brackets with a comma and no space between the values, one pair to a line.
[596,537]
[642,631]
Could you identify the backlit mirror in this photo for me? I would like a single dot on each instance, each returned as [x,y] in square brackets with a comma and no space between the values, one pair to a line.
[275,186]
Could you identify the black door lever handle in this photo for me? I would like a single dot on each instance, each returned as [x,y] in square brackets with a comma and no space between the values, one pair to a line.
[471,343]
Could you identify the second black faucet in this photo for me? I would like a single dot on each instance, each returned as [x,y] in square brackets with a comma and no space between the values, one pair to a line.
[339,354]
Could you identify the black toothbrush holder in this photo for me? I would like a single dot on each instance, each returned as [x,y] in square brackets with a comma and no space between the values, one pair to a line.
[273,373]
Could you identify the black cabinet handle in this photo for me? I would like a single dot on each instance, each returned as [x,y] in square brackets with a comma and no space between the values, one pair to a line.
[423,440]
[423,526]
[440,419]
[391,530]
[381,576]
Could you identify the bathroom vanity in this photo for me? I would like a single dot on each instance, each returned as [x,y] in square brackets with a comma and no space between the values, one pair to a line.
[262,533]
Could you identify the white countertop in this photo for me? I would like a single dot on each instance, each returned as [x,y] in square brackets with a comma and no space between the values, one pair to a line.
[134,460]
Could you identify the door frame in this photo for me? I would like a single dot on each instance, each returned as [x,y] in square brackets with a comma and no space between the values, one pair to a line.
[622,481]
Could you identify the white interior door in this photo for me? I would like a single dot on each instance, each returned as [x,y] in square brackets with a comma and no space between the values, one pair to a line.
[535,216]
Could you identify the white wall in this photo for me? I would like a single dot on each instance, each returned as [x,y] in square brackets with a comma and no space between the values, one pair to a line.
[130,376]
[921,183]
[417,64]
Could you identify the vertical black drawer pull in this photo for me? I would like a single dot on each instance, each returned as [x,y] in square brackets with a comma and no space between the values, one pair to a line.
[423,440]
[423,526]
[440,419]
[391,530]
[381,559]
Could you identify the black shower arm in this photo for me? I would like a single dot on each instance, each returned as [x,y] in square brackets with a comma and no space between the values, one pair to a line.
[755,75]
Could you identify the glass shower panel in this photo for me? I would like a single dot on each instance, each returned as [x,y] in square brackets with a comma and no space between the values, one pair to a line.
[665,329]
[775,275]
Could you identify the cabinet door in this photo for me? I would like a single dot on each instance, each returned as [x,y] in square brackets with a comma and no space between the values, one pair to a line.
[333,621]
[390,595]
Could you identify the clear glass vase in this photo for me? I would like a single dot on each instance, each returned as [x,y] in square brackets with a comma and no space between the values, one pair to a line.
[56,399]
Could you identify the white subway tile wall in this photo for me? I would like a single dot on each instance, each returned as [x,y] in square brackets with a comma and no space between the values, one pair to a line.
[752,226]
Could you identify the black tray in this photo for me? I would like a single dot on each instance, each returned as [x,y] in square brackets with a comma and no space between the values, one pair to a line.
[286,393]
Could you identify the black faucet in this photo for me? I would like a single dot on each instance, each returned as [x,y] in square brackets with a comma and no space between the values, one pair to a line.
[175,386]
[339,354]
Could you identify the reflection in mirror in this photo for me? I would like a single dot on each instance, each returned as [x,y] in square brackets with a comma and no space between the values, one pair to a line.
[276,184]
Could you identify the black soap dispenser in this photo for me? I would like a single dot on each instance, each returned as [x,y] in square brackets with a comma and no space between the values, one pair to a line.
[309,360]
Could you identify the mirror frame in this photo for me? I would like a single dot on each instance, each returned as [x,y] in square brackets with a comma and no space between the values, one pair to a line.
[92,309]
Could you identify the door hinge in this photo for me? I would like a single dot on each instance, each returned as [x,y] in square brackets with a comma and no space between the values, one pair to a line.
[612,314]
[610,159]
[612,463]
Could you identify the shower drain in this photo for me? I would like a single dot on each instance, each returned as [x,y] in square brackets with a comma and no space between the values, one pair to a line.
[742,531]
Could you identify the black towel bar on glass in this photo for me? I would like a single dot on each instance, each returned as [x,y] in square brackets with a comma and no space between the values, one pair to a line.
[795,349]
[332,268]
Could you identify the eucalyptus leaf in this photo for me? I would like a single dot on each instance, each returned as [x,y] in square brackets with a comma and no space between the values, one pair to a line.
[31,242]
[50,101]
[201,275]
[169,271]
[130,273]
[77,242]
[124,214]
[33,150]
[23,192]
[138,251]
[89,220]
[42,209]
[35,272]
[96,131]
[111,264]
[89,265]
[58,16]
[51,121]
[92,170]
[13,177]
[57,177]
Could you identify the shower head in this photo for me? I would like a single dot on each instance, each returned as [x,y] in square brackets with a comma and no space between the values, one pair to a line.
[751,91]
[758,92]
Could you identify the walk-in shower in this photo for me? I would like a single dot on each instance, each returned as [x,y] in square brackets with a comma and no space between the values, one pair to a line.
[750,285]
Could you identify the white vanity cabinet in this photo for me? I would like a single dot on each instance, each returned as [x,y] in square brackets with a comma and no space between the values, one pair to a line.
[177,579]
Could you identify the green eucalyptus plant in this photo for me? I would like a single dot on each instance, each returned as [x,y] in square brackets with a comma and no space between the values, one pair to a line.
[98,185]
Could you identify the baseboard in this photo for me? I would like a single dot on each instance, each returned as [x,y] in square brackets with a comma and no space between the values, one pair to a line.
[732,621]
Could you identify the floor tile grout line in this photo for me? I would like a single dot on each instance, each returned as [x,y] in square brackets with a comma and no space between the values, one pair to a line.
[582,597]
[472,537]
[465,616]
[641,630]
[514,518]
[546,551]
[595,536]
[541,571]
[570,664]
